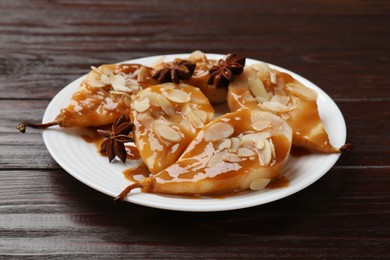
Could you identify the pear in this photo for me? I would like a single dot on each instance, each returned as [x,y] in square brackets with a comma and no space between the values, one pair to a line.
[166,118]
[266,89]
[238,151]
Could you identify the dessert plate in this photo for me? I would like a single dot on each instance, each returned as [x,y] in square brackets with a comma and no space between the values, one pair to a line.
[82,160]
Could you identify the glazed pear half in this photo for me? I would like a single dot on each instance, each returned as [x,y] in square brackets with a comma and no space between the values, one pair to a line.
[166,118]
[263,88]
[103,96]
[238,151]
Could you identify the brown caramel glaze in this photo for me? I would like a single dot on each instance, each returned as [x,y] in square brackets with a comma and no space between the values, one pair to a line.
[137,173]
[297,151]
[277,183]
[132,152]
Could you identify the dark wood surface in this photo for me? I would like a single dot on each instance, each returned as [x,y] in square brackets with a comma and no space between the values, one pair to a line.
[342,46]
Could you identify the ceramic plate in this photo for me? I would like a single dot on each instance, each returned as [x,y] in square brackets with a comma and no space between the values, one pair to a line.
[81,159]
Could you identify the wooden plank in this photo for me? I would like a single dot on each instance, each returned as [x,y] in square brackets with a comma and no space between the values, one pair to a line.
[60,207]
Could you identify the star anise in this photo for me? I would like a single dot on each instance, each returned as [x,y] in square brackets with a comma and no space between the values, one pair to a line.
[174,72]
[114,144]
[223,73]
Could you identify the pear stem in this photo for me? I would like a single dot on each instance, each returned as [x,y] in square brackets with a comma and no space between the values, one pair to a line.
[22,126]
[346,148]
[126,191]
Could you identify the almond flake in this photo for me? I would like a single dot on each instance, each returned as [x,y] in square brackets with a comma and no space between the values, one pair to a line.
[235,144]
[141,106]
[257,88]
[195,121]
[165,105]
[225,144]
[152,96]
[143,74]
[216,158]
[245,152]
[273,78]
[273,152]
[178,96]
[259,184]
[218,131]
[280,99]
[162,129]
[302,91]
[231,157]
[275,107]
[201,114]
[261,125]
[118,82]
[96,70]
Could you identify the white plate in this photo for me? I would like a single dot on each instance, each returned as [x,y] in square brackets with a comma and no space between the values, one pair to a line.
[82,161]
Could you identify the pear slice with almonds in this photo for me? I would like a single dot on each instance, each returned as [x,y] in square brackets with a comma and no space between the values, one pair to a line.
[102,97]
[263,88]
[241,150]
[166,118]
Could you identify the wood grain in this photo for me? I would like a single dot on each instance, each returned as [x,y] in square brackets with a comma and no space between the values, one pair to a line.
[342,46]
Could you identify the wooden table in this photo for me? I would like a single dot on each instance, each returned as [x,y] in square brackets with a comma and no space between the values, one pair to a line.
[342,46]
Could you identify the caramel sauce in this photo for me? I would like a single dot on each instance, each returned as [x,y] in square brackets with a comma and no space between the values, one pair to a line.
[299,151]
[136,174]
[132,152]
[87,138]
[281,182]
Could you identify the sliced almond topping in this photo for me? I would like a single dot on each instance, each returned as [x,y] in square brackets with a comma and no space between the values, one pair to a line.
[275,107]
[273,152]
[146,120]
[165,105]
[247,97]
[257,88]
[197,55]
[218,131]
[152,96]
[105,79]
[273,78]
[201,114]
[195,121]
[141,106]
[96,70]
[302,91]
[262,68]
[162,129]
[178,96]
[227,143]
[235,144]
[259,184]
[217,158]
[245,152]
[261,125]
[143,74]
[231,157]
[260,144]
[118,82]
[261,99]
[266,153]
[280,99]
